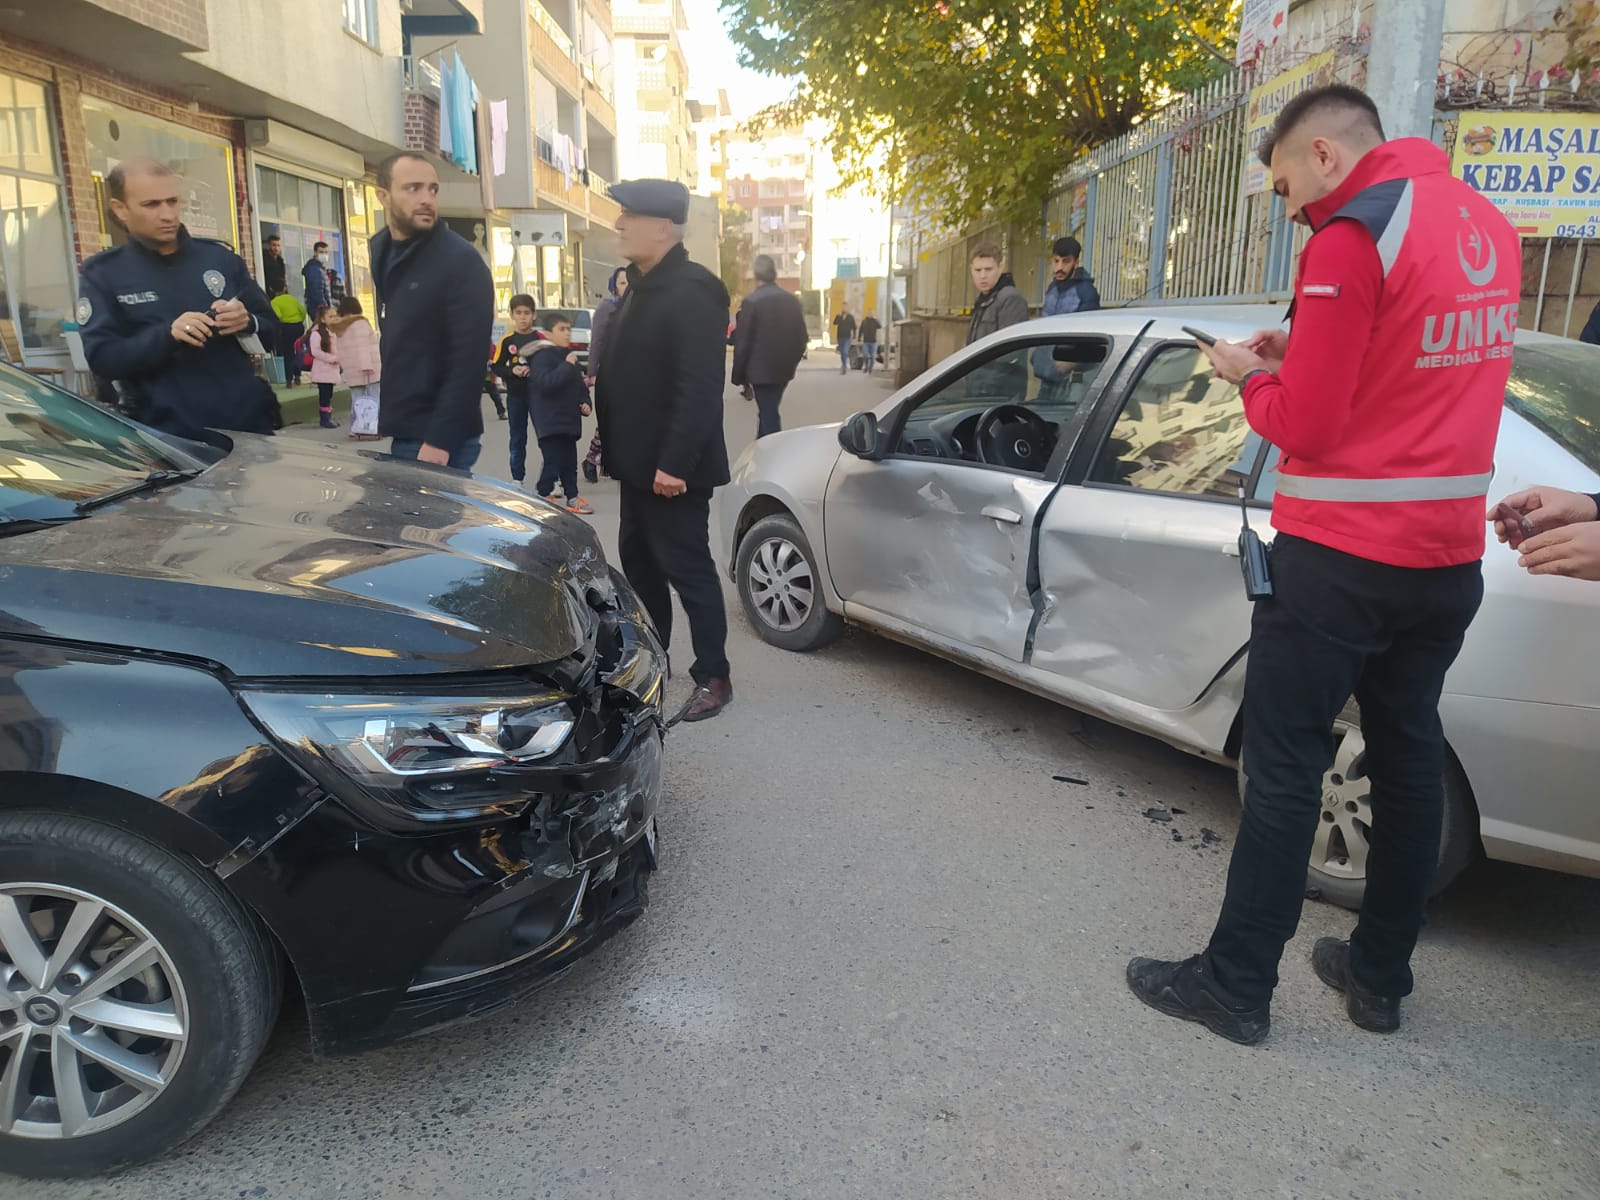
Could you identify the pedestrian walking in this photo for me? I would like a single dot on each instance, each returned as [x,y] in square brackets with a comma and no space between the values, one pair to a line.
[844,332]
[661,425]
[324,365]
[314,277]
[999,303]
[164,313]
[361,365]
[511,359]
[274,270]
[616,289]
[1553,531]
[1387,438]
[435,315]
[768,340]
[291,315]
[491,385]
[871,327]
[559,399]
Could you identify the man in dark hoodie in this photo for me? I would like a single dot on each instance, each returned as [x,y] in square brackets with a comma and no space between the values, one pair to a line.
[1071,290]
[660,404]
[435,317]
[999,303]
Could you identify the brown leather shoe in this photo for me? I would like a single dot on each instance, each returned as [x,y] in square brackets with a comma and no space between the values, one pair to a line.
[708,700]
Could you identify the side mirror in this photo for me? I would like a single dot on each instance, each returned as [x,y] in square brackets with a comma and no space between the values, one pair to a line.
[860,435]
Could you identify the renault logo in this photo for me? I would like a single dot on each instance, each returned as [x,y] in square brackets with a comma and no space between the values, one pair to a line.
[41,1010]
[1023,449]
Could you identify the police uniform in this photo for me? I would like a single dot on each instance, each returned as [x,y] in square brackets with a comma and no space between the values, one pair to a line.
[129,298]
[660,408]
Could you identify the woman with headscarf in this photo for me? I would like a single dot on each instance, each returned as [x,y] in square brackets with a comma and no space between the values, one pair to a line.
[616,288]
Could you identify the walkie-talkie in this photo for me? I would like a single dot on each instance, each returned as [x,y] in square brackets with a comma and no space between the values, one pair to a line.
[1252,557]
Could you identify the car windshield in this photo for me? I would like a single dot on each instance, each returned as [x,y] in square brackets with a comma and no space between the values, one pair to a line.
[578,316]
[57,450]
[1553,385]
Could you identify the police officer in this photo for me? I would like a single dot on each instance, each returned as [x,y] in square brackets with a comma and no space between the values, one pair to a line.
[1385,401]
[163,315]
[660,403]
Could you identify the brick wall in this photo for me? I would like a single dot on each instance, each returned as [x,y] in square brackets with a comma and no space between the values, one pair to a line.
[421,123]
[74,78]
[182,20]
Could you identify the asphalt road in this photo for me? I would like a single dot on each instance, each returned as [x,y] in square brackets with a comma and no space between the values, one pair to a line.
[884,959]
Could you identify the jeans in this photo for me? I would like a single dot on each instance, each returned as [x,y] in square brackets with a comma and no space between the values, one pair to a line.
[291,367]
[517,414]
[560,462]
[464,459]
[768,397]
[325,398]
[664,541]
[844,355]
[1339,625]
[869,356]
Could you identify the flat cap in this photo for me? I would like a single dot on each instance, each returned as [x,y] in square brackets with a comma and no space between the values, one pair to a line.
[653,198]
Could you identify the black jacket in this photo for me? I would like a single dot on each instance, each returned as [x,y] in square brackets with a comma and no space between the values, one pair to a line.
[507,358]
[660,387]
[844,327]
[130,297]
[871,327]
[555,391]
[435,316]
[1002,306]
[770,337]
[276,272]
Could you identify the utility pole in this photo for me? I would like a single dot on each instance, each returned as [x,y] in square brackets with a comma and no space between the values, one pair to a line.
[1406,39]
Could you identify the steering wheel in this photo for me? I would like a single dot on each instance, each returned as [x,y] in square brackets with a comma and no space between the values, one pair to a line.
[1009,435]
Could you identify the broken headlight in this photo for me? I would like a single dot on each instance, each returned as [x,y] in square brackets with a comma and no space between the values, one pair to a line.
[405,746]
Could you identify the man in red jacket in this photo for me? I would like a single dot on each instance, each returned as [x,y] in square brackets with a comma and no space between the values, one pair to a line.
[1385,402]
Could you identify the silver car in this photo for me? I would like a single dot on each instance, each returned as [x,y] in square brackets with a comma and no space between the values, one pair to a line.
[1058,507]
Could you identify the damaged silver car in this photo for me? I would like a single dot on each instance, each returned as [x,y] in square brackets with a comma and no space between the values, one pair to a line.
[1058,507]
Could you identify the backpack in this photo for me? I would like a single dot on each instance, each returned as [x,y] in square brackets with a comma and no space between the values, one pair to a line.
[302,349]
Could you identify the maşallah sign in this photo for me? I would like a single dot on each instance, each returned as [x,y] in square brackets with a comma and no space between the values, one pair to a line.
[1541,170]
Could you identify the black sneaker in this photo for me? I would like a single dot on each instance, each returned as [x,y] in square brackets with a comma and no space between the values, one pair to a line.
[1330,959]
[1186,990]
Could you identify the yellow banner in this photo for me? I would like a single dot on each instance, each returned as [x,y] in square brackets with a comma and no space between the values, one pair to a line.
[1267,101]
[1542,170]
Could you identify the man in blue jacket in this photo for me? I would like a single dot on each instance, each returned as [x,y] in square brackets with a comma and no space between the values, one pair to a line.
[315,275]
[163,314]
[435,316]
[1071,290]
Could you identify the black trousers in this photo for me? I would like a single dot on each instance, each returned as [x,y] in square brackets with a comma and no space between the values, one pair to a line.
[768,397]
[560,466]
[1339,626]
[668,541]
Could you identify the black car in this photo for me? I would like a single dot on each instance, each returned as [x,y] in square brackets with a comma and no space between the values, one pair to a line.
[274,709]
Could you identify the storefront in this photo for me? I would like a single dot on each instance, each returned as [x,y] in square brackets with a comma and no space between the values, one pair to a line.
[301,194]
[38,278]
[205,164]
[365,216]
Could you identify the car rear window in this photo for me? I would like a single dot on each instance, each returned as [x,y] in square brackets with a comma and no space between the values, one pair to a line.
[1556,386]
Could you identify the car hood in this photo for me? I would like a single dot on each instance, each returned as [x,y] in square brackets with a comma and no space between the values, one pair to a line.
[292,558]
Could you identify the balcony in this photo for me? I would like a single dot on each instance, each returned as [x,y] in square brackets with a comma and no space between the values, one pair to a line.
[601,109]
[552,49]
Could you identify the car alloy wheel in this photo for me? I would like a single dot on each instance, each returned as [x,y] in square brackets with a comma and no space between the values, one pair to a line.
[1345,823]
[93,1017]
[782,584]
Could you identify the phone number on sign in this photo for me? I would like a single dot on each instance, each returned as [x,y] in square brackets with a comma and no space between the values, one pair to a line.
[1591,230]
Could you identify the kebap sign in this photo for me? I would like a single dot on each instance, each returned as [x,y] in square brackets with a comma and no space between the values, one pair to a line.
[1541,170]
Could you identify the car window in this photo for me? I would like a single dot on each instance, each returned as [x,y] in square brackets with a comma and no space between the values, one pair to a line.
[1181,430]
[1007,409]
[1554,386]
[56,450]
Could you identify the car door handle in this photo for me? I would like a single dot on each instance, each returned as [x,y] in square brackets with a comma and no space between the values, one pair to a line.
[1009,516]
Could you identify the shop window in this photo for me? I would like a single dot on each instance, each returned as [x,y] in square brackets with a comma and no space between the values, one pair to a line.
[204,163]
[302,212]
[38,277]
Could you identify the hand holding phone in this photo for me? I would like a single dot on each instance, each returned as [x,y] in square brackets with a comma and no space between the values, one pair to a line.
[1200,335]
[1513,524]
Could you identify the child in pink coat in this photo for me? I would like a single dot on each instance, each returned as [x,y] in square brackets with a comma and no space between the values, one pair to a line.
[324,364]
[358,358]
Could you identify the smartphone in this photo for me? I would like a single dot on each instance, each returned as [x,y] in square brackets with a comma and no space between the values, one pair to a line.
[1200,335]
[1522,526]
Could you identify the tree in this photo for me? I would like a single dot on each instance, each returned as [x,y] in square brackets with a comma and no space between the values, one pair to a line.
[973,106]
[733,250]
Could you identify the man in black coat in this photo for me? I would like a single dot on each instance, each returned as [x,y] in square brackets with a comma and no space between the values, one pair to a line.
[164,313]
[660,402]
[435,318]
[768,343]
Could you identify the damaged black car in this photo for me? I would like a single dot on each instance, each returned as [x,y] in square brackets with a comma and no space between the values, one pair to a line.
[271,709]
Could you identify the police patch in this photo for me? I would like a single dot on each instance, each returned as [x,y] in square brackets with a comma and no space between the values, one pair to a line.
[85,310]
[215,283]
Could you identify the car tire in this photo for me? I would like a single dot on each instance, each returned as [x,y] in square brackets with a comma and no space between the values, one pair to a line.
[207,984]
[780,586]
[1337,869]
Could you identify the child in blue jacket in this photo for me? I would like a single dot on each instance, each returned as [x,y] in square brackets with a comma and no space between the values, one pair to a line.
[559,400]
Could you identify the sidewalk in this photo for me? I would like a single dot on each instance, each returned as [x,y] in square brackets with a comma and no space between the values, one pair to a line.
[300,403]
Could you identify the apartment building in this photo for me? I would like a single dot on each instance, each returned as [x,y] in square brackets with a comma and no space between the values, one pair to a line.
[656,125]
[768,175]
[275,112]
